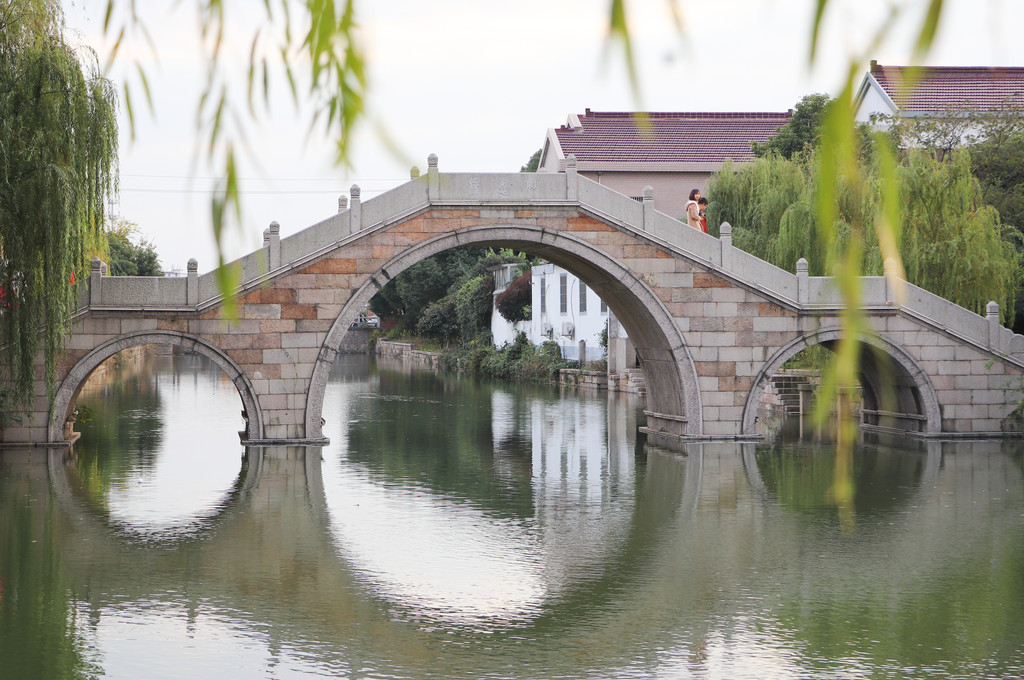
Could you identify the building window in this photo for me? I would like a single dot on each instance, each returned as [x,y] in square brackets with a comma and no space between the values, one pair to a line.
[604,307]
[583,298]
[543,294]
[563,297]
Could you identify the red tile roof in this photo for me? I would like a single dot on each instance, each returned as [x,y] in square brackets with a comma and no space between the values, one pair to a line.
[941,87]
[667,137]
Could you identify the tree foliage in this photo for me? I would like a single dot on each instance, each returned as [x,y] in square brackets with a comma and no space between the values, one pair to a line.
[998,164]
[513,303]
[533,163]
[473,303]
[58,158]
[130,258]
[128,253]
[440,320]
[994,138]
[464,314]
[413,290]
[420,287]
[803,129]
[951,242]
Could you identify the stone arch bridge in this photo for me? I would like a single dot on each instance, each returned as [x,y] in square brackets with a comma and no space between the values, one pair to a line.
[710,323]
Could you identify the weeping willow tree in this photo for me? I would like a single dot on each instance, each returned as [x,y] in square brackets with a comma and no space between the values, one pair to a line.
[755,200]
[58,151]
[951,243]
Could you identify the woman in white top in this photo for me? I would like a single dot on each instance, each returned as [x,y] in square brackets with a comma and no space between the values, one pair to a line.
[693,210]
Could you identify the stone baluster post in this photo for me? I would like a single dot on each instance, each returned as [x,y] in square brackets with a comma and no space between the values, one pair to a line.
[889,268]
[192,284]
[572,185]
[648,203]
[342,204]
[355,212]
[994,328]
[725,246]
[274,245]
[266,249]
[803,282]
[414,172]
[96,271]
[433,180]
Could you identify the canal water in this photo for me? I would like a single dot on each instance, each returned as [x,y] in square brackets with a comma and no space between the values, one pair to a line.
[461,529]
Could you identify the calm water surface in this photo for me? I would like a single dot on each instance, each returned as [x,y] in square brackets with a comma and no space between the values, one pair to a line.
[455,529]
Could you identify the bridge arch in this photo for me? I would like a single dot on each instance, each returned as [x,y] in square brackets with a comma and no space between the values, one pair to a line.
[887,367]
[72,384]
[670,372]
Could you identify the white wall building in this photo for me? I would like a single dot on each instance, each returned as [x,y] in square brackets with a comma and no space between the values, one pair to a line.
[563,309]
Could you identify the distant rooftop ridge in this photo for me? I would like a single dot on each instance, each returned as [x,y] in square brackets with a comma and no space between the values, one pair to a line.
[937,88]
[666,137]
[687,114]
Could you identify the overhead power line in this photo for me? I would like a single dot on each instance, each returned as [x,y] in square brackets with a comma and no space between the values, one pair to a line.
[268,192]
[272,179]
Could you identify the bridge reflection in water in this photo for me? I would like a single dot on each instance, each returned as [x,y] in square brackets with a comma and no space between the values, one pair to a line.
[463,530]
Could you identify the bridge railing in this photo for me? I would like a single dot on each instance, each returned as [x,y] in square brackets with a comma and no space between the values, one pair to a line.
[100,291]
[390,206]
[983,330]
[277,256]
[499,188]
[317,238]
[756,272]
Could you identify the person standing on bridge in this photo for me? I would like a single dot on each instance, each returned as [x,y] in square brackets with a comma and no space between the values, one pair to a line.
[702,204]
[693,209]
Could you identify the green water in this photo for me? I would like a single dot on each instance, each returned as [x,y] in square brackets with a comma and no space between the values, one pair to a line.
[458,529]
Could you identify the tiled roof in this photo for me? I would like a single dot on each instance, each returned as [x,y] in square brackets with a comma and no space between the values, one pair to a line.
[941,87]
[667,137]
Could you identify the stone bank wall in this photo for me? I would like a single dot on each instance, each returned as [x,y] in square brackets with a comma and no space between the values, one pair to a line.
[406,352]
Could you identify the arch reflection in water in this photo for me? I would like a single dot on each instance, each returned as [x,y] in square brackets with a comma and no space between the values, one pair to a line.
[444,497]
[159,449]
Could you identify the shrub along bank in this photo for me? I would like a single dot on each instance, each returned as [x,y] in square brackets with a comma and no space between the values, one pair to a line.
[520,360]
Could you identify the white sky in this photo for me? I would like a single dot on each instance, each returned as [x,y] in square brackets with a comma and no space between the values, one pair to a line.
[479,84]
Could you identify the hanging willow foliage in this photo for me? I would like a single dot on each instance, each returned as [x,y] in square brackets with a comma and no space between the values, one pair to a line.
[951,243]
[311,46]
[58,158]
